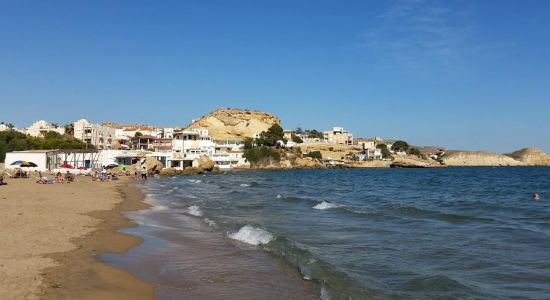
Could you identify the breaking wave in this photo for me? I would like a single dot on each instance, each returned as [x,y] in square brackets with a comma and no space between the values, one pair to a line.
[210,222]
[252,235]
[194,211]
[326,205]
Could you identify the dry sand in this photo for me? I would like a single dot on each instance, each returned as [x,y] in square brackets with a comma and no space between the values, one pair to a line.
[50,236]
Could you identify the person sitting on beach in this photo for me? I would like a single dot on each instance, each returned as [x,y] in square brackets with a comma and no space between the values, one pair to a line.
[59,177]
[69,177]
[41,179]
[2,178]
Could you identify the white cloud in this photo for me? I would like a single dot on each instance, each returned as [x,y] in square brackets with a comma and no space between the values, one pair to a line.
[416,32]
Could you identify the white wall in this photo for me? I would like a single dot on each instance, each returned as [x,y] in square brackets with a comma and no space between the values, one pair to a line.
[37,158]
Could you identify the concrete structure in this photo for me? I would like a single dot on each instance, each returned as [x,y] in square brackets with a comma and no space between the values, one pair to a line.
[143,142]
[4,127]
[102,137]
[162,144]
[39,128]
[52,159]
[373,154]
[194,143]
[287,133]
[230,159]
[338,136]
[130,132]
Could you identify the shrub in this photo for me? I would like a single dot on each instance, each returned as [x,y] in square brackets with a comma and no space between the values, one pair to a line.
[296,139]
[260,154]
[385,151]
[400,146]
[315,154]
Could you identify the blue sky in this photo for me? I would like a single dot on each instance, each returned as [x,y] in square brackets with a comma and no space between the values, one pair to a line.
[462,74]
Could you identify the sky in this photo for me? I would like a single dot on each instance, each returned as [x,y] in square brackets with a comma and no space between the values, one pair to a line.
[461,74]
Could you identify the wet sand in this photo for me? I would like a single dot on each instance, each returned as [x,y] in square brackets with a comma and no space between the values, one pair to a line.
[52,235]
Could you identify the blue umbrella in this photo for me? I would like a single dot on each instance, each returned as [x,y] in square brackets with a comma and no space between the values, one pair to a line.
[24,164]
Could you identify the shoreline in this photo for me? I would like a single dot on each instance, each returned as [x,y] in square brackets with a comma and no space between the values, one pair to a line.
[83,275]
[53,236]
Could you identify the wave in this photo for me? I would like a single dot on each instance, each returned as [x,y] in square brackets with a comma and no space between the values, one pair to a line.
[245,184]
[334,283]
[194,211]
[326,205]
[252,235]
[194,180]
[210,222]
[413,211]
[170,191]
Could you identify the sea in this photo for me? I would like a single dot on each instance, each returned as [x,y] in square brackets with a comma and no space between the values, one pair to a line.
[452,233]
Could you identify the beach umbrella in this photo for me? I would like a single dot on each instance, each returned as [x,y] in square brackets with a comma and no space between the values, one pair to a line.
[24,164]
[66,166]
[82,168]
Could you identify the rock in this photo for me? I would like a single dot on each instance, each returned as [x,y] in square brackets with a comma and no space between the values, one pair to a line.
[308,162]
[152,164]
[478,158]
[206,164]
[168,172]
[531,156]
[191,171]
[234,124]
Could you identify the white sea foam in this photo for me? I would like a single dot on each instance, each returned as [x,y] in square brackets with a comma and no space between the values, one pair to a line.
[252,235]
[326,205]
[194,210]
[210,223]
[194,180]
[170,191]
[325,295]
[245,184]
[279,196]
[160,208]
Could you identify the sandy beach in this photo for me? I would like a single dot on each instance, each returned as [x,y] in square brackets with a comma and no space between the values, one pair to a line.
[51,235]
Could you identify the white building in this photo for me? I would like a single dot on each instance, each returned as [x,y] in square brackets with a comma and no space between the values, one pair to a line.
[102,137]
[4,127]
[230,159]
[39,128]
[195,143]
[338,136]
[130,132]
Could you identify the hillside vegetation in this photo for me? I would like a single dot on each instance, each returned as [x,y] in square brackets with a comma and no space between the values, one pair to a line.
[12,140]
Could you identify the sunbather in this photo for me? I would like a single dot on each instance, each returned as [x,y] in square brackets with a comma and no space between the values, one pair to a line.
[69,177]
[58,177]
[2,178]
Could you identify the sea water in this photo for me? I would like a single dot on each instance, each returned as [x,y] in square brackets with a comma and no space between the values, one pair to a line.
[455,233]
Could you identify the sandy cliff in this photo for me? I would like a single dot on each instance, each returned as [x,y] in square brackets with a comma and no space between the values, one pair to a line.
[235,124]
[531,156]
[478,158]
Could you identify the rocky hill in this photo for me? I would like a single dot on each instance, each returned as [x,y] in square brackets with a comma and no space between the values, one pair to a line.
[531,156]
[235,124]
[478,158]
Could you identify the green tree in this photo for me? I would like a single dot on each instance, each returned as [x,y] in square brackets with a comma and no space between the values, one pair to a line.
[138,134]
[315,154]
[248,143]
[315,134]
[296,138]
[385,151]
[12,140]
[69,129]
[271,136]
[400,146]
